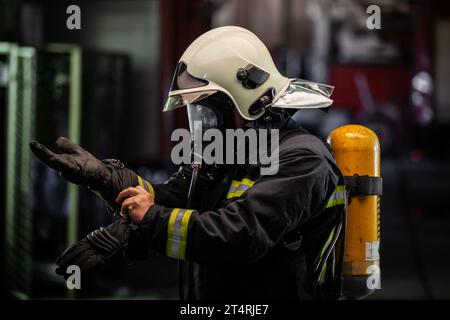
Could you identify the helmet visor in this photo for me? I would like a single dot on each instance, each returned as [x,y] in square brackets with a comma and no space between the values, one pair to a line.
[183,99]
[183,80]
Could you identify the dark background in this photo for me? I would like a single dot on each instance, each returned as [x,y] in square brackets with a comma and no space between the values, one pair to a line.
[394,80]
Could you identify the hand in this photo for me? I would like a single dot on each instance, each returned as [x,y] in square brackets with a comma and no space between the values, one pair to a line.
[135,202]
[75,164]
[96,248]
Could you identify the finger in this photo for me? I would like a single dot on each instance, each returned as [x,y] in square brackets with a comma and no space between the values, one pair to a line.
[91,263]
[64,254]
[65,260]
[64,164]
[59,271]
[141,189]
[128,192]
[126,206]
[65,145]
[78,261]
[129,204]
[144,192]
[74,254]
[69,147]
[74,248]
[41,151]
[58,162]
[75,261]
[67,256]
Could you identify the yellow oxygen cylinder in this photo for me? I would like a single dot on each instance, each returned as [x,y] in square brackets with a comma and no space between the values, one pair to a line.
[357,152]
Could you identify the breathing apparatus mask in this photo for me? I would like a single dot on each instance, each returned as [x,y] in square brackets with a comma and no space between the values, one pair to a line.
[215,112]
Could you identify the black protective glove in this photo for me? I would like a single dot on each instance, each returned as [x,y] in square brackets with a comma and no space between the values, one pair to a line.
[96,249]
[108,177]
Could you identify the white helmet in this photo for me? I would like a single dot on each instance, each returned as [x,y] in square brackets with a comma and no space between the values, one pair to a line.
[235,62]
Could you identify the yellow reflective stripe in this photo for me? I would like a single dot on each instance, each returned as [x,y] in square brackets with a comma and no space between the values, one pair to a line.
[235,183]
[338,197]
[325,246]
[247,182]
[150,188]
[237,188]
[320,257]
[146,185]
[184,230]
[141,183]
[170,226]
[177,233]
[235,194]
[97,193]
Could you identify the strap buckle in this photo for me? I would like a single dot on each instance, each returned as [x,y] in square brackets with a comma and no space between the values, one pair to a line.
[364,185]
[293,241]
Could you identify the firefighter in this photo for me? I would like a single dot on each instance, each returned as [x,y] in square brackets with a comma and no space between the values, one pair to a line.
[241,234]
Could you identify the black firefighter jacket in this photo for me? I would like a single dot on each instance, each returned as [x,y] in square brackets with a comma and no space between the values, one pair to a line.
[235,238]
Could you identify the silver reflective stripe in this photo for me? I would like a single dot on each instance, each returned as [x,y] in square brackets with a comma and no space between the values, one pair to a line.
[237,188]
[338,197]
[242,187]
[176,236]
[177,233]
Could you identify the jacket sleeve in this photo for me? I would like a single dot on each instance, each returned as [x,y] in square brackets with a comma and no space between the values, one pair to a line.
[246,228]
[171,193]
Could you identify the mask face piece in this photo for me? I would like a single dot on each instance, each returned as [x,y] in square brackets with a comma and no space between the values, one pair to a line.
[200,118]
[213,112]
[199,114]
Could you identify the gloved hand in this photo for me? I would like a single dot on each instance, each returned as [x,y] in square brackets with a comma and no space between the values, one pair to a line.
[75,164]
[108,177]
[96,249]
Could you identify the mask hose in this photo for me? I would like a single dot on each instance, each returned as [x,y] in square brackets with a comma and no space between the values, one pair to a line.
[189,204]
